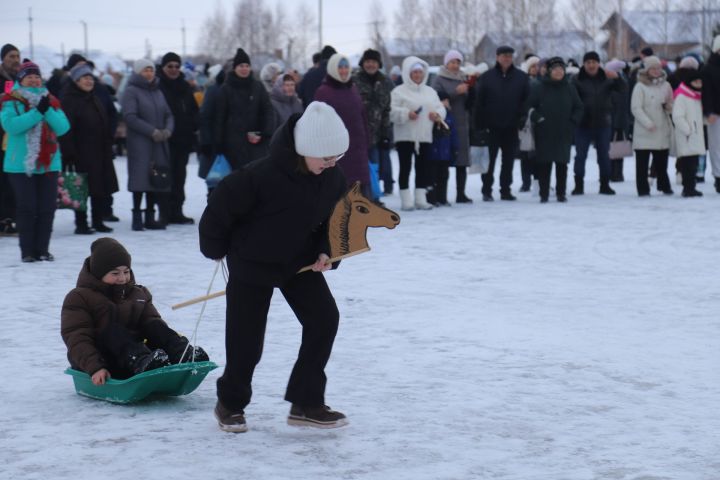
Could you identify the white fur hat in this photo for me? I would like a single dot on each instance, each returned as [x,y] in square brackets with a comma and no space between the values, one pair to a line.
[320,132]
[716,43]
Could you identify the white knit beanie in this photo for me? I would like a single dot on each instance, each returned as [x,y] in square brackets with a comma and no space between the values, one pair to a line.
[332,67]
[141,64]
[452,55]
[716,43]
[652,62]
[320,132]
[689,63]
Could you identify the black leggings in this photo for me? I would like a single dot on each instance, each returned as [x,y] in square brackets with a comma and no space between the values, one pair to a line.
[406,150]
[660,165]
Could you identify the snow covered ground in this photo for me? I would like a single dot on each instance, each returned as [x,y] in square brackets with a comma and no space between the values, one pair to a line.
[492,341]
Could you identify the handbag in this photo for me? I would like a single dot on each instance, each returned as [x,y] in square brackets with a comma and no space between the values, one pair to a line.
[72,192]
[160,177]
[525,134]
[479,160]
[219,170]
[620,147]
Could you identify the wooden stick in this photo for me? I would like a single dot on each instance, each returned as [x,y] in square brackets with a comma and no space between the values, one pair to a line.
[304,269]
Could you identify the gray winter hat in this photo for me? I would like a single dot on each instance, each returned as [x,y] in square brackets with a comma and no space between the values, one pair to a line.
[141,64]
[79,71]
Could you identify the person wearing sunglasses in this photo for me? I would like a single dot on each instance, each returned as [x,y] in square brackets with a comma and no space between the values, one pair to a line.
[269,219]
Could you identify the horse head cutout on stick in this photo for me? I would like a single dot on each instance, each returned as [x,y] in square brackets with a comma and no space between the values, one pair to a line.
[347,230]
[348,224]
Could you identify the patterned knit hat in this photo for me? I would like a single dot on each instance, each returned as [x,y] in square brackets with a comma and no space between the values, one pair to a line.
[28,68]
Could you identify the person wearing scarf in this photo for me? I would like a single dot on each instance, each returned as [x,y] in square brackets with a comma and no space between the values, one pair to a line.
[689,138]
[33,119]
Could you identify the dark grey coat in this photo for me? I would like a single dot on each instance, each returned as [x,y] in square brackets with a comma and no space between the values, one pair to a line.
[144,110]
[458,105]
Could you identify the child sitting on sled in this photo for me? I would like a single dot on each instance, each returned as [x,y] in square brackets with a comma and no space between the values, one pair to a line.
[107,318]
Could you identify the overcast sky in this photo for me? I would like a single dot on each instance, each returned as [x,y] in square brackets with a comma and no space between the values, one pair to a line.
[123,28]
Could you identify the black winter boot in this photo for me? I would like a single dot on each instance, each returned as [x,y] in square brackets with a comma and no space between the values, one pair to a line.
[81,224]
[579,186]
[717,184]
[605,187]
[137,222]
[150,222]
[149,361]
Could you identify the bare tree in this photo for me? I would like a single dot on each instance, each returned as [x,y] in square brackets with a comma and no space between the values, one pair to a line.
[301,35]
[214,39]
[410,23]
[589,16]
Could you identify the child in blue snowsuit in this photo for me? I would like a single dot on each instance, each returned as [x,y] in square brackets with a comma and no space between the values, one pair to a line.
[443,153]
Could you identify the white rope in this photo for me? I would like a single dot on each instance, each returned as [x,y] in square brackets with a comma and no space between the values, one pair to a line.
[193,338]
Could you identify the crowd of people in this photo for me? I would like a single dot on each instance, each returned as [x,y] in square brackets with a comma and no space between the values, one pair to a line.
[535,112]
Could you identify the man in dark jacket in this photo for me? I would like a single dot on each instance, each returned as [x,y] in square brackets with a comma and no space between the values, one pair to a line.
[314,77]
[179,97]
[595,87]
[270,219]
[10,57]
[501,94]
[375,88]
[244,116]
[711,107]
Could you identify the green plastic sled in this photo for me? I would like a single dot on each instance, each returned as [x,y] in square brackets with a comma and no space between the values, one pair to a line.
[172,380]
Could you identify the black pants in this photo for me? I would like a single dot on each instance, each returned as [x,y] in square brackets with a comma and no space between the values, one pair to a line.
[178,171]
[543,171]
[440,174]
[36,198]
[247,307]
[505,139]
[117,344]
[660,163]
[7,197]
[100,207]
[527,167]
[688,168]
[406,151]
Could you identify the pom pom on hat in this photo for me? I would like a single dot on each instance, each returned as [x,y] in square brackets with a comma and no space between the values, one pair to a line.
[141,64]
[320,132]
[452,55]
[106,254]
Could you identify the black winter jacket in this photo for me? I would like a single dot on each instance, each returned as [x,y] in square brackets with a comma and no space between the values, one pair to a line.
[500,98]
[711,86]
[596,94]
[179,97]
[243,105]
[270,218]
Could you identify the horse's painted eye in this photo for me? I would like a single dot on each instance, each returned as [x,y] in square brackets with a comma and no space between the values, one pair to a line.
[362,209]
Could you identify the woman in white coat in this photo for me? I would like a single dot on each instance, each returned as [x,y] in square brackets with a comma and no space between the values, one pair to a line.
[415,107]
[689,138]
[651,103]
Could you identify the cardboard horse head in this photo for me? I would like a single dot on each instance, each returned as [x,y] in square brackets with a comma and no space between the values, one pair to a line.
[349,222]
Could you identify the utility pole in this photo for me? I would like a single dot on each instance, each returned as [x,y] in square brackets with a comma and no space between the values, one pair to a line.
[30,20]
[184,44]
[320,39]
[84,24]
[289,52]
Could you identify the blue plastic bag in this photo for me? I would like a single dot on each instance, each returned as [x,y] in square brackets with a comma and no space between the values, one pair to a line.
[219,169]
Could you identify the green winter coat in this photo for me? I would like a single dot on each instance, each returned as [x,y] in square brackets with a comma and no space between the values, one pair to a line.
[557,110]
[17,122]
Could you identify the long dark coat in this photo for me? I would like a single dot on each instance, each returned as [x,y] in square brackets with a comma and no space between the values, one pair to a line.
[88,143]
[596,95]
[144,109]
[500,98]
[243,105]
[179,97]
[557,110]
[345,99]
[270,217]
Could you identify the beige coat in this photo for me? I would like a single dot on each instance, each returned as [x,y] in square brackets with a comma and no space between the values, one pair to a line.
[651,102]
[688,119]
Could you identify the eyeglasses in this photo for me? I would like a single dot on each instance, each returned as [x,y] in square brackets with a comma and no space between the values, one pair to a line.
[333,159]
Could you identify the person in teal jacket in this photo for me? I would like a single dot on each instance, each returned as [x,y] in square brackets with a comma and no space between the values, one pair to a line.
[32,120]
